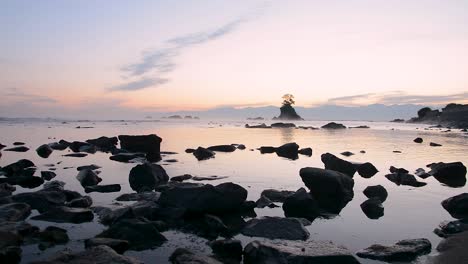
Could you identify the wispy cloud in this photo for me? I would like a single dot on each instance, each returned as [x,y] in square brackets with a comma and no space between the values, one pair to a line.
[158,62]
[15,94]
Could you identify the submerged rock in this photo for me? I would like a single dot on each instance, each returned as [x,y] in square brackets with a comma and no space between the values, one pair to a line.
[44,151]
[457,206]
[269,252]
[334,163]
[14,212]
[227,249]
[181,178]
[301,204]
[17,149]
[376,191]
[62,214]
[185,256]
[283,125]
[276,228]
[81,202]
[333,125]
[119,245]
[373,208]
[203,154]
[452,174]
[267,149]
[222,148]
[404,250]
[52,236]
[147,176]
[103,188]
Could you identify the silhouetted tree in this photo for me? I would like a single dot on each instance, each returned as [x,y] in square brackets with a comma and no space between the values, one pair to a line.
[288,99]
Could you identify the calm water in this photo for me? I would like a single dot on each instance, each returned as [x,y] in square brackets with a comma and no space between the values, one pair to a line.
[409,212]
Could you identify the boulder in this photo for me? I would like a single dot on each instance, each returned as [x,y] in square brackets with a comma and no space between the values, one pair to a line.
[373,208]
[404,179]
[289,150]
[449,228]
[108,188]
[376,191]
[398,170]
[366,170]
[457,206]
[263,202]
[404,250]
[185,256]
[41,200]
[141,234]
[227,249]
[96,255]
[104,143]
[222,148]
[332,162]
[267,149]
[147,176]
[52,236]
[452,249]
[305,151]
[14,212]
[331,189]
[333,125]
[149,144]
[88,178]
[418,140]
[17,168]
[48,175]
[44,151]
[272,252]
[203,154]
[276,228]
[119,245]
[63,214]
[277,196]
[81,202]
[452,174]
[302,205]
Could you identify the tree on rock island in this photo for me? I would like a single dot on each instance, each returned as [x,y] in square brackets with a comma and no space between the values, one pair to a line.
[287,111]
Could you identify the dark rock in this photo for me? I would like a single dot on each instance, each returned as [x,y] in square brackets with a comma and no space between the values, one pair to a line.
[17,168]
[457,206]
[88,178]
[52,236]
[140,234]
[311,251]
[58,146]
[88,167]
[6,189]
[10,254]
[332,189]
[373,208]
[103,188]
[289,150]
[366,170]
[41,200]
[347,153]
[227,249]
[418,140]
[283,125]
[149,144]
[18,143]
[147,176]
[333,125]
[189,150]
[81,202]
[305,151]
[404,250]
[277,196]
[332,162]
[203,153]
[48,175]
[96,255]
[62,214]
[222,148]
[452,250]
[263,202]
[208,178]
[76,155]
[77,146]
[241,146]
[448,228]
[44,151]
[301,204]
[185,256]
[119,245]
[14,212]
[22,229]
[268,149]
[181,178]
[104,143]
[144,196]
[276,228]
[404,179]
[18,149]
[432,144]
[421,173]
[398,170]
[376,191]
[360,127]
[452,174]
[171,160]
[207,226]
[288,113]
[125,157]
[2,146]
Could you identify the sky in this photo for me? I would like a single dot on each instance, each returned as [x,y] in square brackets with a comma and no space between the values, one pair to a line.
[61,57]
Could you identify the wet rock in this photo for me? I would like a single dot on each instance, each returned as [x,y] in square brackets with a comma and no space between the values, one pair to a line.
[17,168]
[276,228]
[203,154]
[14,212]
[432,144]
[62,214]
[376,191]
[181,178]
[263,202]
[276,195]
[199,198]
[269,252]
[88,167]
[398,170]
[76,155]
[6,189]
[41,200]
[119,245]
[267,149]
[52,236]
[207,226]
[185,256]
[77,146]
[305,151]
[21,229]
[301,204]
[25,181]
[283,125]
[58,146]
[81,202]
[457,206]
[147,176]
[241,146]
[143,196]
[448,228]
[333,125]
[222,148]
[421,173]
[149,144]
[373,208]
[418,140]
[347,153]
[140,234]
[125,157]
[88,178]
[452,249]
[332,189]
[44,151]
[104,143]
[227,249]
[10,254]
[366,170]
[96,255]
[452,174]
[404,179]
[103,188]
[48,175]
[332,162]
[404,250]
[289,150]
[17,149]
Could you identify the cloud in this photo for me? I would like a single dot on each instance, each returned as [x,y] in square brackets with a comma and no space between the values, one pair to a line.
[15,94]
[139,84]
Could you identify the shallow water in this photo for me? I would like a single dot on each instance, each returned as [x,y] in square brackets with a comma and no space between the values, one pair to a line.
[409,212]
